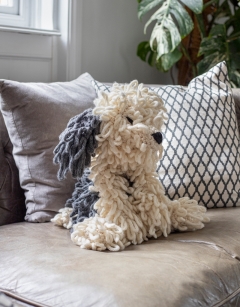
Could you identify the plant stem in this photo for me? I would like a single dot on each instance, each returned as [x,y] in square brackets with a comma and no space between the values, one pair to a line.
[172,76]
[212,22]
[227,51]
[186,54]
[201,25]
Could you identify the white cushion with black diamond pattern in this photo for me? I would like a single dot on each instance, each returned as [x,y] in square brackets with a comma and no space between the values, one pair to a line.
[201,141]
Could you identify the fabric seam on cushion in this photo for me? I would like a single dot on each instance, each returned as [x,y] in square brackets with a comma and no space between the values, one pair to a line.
[27,158]
[210,244]
[5,145]
[22,299]
[231,296]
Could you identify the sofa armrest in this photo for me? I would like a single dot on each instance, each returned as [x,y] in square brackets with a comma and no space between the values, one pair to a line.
[236,95]
[12,200]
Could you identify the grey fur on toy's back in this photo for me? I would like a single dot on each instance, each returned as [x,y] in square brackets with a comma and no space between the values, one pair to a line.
[77,144]
[83,200]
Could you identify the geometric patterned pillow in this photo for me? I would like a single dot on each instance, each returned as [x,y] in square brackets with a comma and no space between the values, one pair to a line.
[201,156]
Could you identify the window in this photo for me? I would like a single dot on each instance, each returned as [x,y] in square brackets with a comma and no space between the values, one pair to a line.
[33,14]
[8,3]
[9,7]
[45,14]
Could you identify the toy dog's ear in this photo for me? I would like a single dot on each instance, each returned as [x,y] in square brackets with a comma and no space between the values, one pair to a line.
[77,144]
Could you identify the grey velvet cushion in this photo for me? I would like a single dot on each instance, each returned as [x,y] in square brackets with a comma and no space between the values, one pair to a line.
[35,114]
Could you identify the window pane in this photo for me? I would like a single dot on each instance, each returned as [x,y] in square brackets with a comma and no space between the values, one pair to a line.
[37,14]
[10,7]
[8,3]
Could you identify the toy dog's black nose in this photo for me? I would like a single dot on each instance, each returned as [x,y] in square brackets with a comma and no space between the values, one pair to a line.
[157,137]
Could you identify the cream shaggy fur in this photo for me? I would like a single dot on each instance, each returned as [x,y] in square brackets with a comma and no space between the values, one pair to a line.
[132,206]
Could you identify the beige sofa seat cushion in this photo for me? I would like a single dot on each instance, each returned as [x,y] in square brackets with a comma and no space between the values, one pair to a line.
[40,263]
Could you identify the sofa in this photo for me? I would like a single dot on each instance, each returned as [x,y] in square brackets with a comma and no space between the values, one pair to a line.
[40,266]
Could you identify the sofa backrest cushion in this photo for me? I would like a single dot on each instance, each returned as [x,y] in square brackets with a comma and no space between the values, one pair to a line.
[12,200]
[35,114]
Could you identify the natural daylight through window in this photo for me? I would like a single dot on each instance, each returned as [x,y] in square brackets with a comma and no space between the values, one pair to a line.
[8,3]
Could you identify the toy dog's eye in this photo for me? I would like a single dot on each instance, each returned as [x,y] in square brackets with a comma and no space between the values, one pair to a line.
[130,120]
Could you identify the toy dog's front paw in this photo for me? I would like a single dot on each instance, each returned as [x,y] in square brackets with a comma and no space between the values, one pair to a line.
[63,218]
[97,234]
[186,215]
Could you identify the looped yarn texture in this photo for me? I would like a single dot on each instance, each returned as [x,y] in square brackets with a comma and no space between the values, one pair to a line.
[77,144]
[132,205]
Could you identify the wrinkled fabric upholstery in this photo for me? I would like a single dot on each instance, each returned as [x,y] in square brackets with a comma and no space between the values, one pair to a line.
[40,263]
[12,200]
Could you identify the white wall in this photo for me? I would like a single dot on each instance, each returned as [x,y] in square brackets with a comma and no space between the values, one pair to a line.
[26,57]
[111,32]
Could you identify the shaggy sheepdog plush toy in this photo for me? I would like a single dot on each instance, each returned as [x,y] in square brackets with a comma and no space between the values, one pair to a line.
[113,151]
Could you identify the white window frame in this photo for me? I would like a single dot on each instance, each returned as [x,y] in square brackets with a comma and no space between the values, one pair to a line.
[29,18]
[38,11]
[12,10]
[22,19]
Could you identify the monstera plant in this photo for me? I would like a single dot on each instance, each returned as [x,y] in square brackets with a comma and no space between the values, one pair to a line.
[194,34]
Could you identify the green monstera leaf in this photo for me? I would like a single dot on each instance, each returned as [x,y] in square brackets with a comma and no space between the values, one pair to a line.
[173,23]
[163,64]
